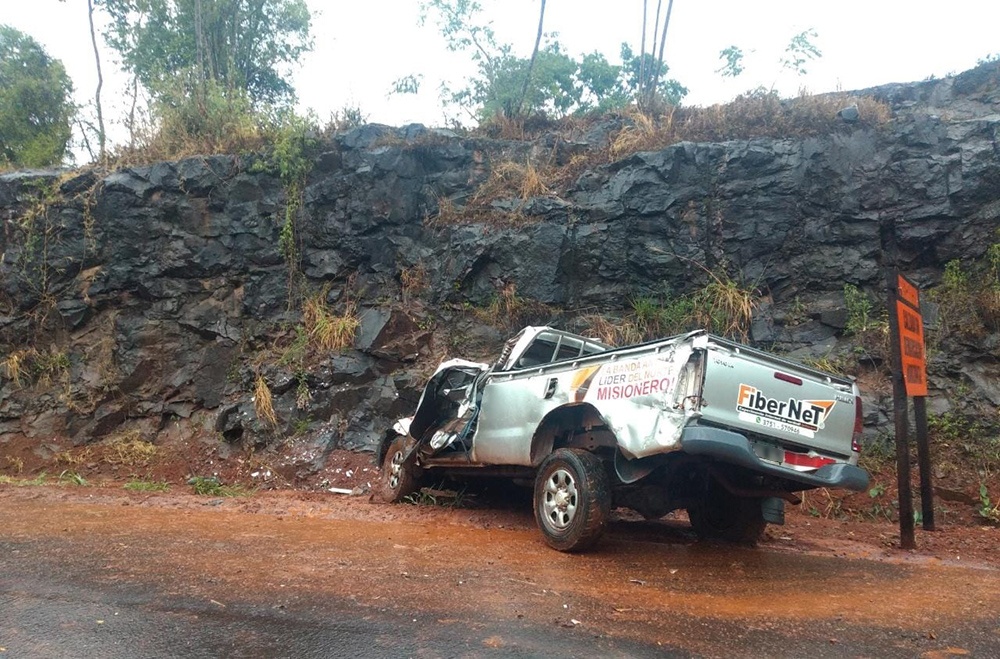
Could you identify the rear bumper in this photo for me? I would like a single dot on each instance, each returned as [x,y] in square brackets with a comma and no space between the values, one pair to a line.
[733,448]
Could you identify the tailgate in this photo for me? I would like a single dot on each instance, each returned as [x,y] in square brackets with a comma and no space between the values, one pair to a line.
[798,406]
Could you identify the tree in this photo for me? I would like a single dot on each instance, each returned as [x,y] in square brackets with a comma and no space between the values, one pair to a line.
[35,107]
[550,81]
[798,53]
[238,45]
[634,67]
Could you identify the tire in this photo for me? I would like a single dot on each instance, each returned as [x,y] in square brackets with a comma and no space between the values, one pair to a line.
[572,499]
[399,475]
[721,515]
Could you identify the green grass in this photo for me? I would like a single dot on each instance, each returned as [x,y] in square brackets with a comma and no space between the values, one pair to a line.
[213,487]
[71,478]
[139,485]
[21,482]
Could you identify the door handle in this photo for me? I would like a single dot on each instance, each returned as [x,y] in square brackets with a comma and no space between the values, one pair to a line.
[550,389]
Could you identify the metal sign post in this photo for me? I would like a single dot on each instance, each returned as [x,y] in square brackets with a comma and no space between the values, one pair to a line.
[911,345]
[889,259]
[899,406]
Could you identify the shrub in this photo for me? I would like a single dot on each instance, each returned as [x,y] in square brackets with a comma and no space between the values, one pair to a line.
[870,329]
[211,119]
[969,296]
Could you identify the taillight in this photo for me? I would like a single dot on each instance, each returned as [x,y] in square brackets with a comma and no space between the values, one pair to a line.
[859,426]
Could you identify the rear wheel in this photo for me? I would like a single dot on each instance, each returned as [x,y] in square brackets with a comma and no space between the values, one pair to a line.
[721,515]
[400,476]
[572,499]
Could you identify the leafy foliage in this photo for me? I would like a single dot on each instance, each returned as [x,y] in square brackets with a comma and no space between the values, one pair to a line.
[969,296]
[241,45]
[800,51]
[988,510]
[35,106]
[553,83]
[860,314]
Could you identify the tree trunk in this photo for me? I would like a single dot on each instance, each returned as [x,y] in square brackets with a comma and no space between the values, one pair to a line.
[655,82]
[199,38]
[531,64]
[101,135]
[648,72]
[642,47]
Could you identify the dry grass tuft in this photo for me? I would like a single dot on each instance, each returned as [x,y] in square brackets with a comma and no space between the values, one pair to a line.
[31,364]
[326,330]
[74,458]
[509,179]
[508,310]
[748,116]
[15,364]
[501,126]
[725,307]
[641,132]
[447,213]
[14,464]
[613,331]
[263,403]
[129,449]
[989,308]
[413,280]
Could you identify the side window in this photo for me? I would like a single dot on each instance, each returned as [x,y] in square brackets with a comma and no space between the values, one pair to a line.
[568,349]
[539,352]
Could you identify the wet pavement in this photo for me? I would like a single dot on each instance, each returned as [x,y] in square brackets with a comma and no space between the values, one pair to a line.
[117,576]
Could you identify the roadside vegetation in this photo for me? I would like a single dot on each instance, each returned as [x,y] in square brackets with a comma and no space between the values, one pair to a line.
[722,305]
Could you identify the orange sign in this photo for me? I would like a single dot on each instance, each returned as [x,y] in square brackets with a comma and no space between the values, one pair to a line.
[908,293]
[911,339]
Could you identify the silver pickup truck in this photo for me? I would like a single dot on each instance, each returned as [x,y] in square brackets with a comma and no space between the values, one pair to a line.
[694,421]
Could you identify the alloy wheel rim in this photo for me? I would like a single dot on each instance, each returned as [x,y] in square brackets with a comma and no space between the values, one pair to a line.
[395,468]
[560,499]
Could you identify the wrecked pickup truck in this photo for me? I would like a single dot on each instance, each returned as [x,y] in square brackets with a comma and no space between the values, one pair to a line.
[694,421]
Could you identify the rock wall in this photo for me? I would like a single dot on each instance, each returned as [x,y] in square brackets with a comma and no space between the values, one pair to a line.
[155,296]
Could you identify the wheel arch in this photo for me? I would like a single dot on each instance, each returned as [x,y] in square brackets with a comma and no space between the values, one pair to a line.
[578,425]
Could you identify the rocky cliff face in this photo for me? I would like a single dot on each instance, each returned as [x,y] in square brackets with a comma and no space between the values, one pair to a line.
[158,297]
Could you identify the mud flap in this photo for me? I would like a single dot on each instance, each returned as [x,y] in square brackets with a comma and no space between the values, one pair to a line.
[629,471]
[773,510]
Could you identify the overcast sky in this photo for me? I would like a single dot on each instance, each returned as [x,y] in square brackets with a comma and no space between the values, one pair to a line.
[363,45]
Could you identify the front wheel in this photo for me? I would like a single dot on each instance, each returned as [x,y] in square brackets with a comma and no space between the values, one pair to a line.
[721,515]
[399,476]
[572,499]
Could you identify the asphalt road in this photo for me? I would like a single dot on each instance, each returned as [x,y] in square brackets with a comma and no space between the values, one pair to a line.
[117,576]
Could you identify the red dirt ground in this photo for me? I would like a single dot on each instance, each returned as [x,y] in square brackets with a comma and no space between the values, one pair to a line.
[861,525]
